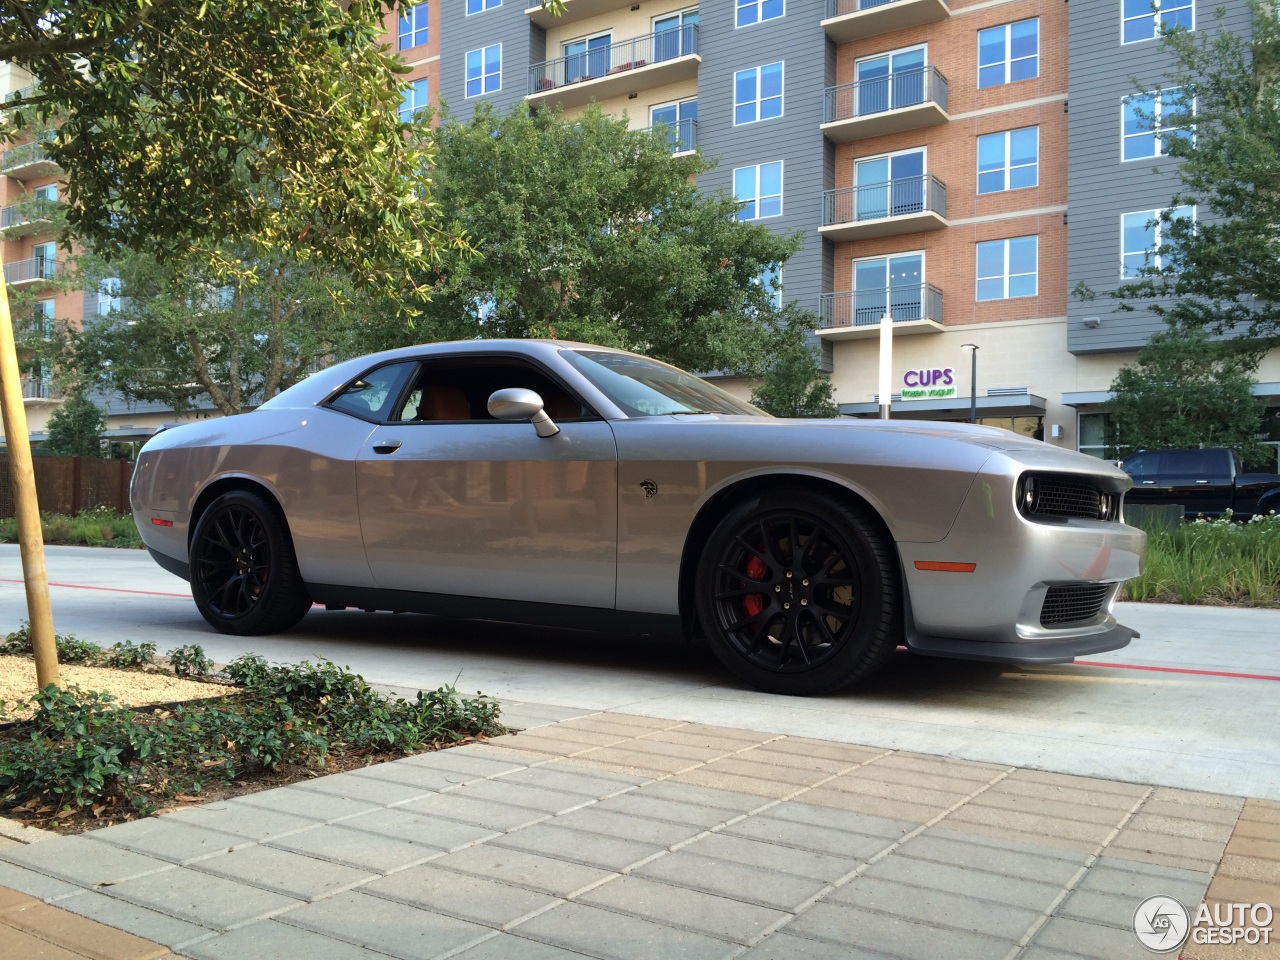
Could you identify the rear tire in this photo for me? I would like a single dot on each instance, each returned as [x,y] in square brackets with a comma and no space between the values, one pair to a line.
[244,573]
[799,593]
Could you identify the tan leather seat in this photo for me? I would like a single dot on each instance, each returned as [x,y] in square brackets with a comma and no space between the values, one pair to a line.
[443,403]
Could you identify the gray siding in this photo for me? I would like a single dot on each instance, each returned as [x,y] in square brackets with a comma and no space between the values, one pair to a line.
[1100,187]
[522,44]
[795,138]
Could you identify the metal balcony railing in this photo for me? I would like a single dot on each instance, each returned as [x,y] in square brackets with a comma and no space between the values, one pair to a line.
[895,90]
[24,155]
[865,308]
[22,93]
[17,214]
[838,8]
[877,201]
[36,388]
[36,268]
[614,58]
[681,135]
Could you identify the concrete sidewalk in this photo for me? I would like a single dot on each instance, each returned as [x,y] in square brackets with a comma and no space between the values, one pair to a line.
[617,836]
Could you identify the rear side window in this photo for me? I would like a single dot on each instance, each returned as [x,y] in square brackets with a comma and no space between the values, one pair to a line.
[373,395]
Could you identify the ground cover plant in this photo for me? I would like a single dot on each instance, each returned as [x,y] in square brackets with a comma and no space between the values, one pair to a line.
[1210,562]
[79,759]
[99,527]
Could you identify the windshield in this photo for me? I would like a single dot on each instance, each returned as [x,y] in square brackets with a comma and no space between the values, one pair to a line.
[646,388]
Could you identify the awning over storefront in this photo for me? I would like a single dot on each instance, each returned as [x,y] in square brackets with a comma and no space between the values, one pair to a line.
[953,408]
[1095,398]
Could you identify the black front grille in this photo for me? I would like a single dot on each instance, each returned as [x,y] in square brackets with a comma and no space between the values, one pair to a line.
[1072,603]
[1057,497]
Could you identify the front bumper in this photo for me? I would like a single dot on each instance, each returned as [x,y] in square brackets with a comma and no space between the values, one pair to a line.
[998,610]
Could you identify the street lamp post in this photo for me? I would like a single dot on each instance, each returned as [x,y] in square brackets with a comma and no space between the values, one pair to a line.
[973,380]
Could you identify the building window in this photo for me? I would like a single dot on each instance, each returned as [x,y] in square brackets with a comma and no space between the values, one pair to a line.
[484,70]
[1009,160]
[1009,53]
[770,277]
[1144,242]
[758,11]
[480,6]
[1007,268]
[757,94]
[1148,121]
[759,190]
[1092,435]
[44,317]
[48,193]
[1147,19]
[675,35]
[681,121]
[891,81]
[587,57]
[413,27]
[413,99]
[108,296]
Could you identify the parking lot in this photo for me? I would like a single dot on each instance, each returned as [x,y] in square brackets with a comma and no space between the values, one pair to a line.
[1194,703]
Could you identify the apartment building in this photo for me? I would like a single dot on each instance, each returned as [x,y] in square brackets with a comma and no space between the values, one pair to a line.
[958,166]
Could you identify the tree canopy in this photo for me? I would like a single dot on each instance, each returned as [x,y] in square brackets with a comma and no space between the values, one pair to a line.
[1218,270]
[187,338]
[180,125]
[1186,390]
[75,429]
[585,230]
[793,385]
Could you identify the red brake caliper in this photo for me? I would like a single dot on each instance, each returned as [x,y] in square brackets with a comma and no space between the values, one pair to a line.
[753,604]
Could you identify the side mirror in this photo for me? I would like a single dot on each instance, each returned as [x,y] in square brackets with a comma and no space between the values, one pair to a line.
[517,403]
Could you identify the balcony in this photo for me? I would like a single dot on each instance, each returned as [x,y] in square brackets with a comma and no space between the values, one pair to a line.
[37,270]
[574,10]
[849,20]
[905,205]
[22,93]
[37,388]
[30,216]
[905,100]
[28,161]
[614,70]
[856,314]
[681,135]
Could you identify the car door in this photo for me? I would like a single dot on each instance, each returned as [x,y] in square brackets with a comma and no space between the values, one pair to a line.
[455,502]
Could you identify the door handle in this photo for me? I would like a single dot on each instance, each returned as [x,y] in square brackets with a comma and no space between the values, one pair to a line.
[386,446]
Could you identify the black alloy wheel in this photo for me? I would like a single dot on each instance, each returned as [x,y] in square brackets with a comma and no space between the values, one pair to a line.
[798,593]
[244,573]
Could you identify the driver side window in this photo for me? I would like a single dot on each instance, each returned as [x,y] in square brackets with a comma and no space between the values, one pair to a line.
[458,390]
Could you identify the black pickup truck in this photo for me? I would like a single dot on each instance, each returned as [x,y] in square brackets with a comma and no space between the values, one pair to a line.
[1203,482]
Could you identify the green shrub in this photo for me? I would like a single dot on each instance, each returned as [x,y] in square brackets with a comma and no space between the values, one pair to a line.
[126,656]
[97,527]
[189,661]
[82,752]
[1211,561]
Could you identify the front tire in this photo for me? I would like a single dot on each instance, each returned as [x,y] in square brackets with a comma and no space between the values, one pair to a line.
[244,573]
[799,593]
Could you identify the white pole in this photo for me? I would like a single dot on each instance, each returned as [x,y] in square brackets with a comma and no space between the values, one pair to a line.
[886,364]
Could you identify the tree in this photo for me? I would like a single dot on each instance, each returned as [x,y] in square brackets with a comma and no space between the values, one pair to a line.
[793,384]
[1218,271]
[75,429]
[180,127]
[585,230]
[1186,390]
[182,337]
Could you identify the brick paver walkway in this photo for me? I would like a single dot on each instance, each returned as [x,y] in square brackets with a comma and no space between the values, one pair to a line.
[628,838]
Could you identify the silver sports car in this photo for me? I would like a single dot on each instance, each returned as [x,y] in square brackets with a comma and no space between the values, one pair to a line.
[573,485]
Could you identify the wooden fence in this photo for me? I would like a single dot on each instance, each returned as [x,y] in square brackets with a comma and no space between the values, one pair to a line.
[71,484]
